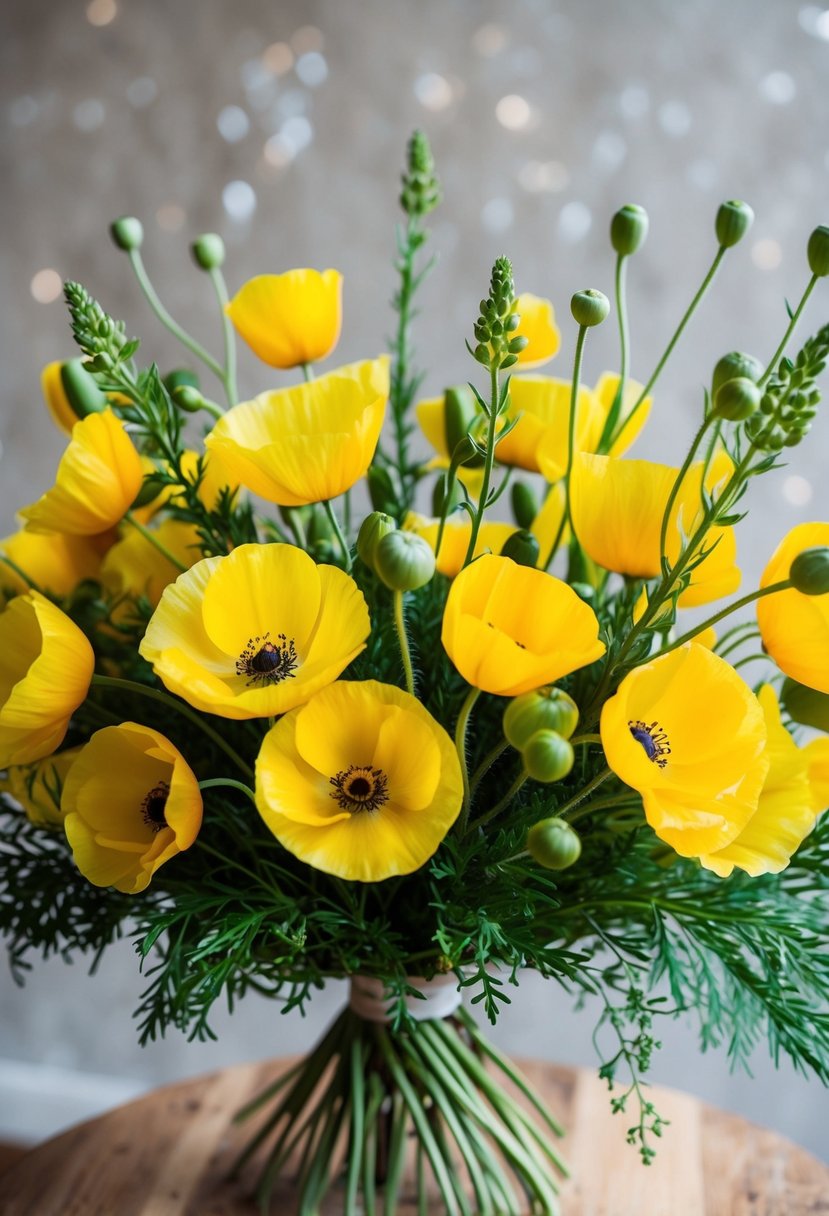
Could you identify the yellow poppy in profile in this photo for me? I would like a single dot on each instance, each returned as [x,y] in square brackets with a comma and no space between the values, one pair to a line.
[789,805]
[604,394]
[257,632]
[70,393]
[46,666]
[307,443]
[38,787]
[135,567]
[538,441]
[510,629]
[289,319]
[492,537]
[130,804]
[54,394]
[538,326]
[794,626]
[97,480]
[55,562]
[690,736]
[361,782]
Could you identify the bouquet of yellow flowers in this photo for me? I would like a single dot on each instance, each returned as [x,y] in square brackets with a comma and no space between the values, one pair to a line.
[272,720]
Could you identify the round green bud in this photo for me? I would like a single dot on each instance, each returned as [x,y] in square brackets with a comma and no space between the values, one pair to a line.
[589,307]
[732,223]
[553,844]
[372,530]
[524,504]
[805,705]
[81,390]
[208,251]
[188,398]
[404,561]
[522,547]
[737,399]
[545,709]
[809,572]
[127,233]
[817,251]
[547,756]
[381,489]
[734,365]
[179,377]
[628,229]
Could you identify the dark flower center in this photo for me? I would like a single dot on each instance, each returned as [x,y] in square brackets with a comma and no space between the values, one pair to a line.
[154,805]
[653,739]
[267,662]
[360,788]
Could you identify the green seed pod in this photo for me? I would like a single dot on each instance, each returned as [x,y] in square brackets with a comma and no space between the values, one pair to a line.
[732,223]
[545,709]
[805,705]
[737,399]
[179,377]
[127,233]
[372,530]
[733,366]
[188,398]
[208,251]
[628,229]
[381,490]
[817,251]
[553,844]
[547,756]
[80,388]
[809,572]
[460,411]
[589,307]
[524,504]
[404,561]
[522,547]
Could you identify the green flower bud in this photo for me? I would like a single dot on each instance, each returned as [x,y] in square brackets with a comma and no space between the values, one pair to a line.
[589,307]
[208,251]
[733,366]
[178,377]
[628,229]
[553,844]
[127,233]
[817,251]
[404,561]
[421,188]
[805,705]
[81,390]
[524,504]
[546,709]
[809,572]
[372,530]
[188,398]
[737,399]
[547,756]
[732,223]
[460,411]
[381,490]
[522,547]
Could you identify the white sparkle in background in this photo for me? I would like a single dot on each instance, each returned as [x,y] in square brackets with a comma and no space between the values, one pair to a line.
[497,215]
[239,200]
[233,124]
[170,217]
[278,58]
[278,152]
[634,101]
[514,112]
[766,254]
[23,110]
[297,132]
[101,12]
[778,88]
[574,222]
[307,38]
[434,92]
[609,150]
[489,40]
[88,115]
[797,490]
[815,21]
[291,103]
[675,118]
[142,92]
[46,285]
[312,69]
[538,176]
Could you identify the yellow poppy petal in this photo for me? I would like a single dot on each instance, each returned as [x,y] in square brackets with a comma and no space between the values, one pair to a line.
[795,627]
[289,319]
[56,562]
[539,327]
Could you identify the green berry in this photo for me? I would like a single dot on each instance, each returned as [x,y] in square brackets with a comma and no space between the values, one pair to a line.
[553,844]
[547,756]
[589,307]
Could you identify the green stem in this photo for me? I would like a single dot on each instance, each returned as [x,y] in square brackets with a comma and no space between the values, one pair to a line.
[577,739]
[489,461]
[486,764]
[400,390]
[152,539]
[484,819]
[571,434]
[213,782]
[460,743]
[229,861]
[784,585]
[675,488]
[166,320]
[343,543]
[154,694]
[612,802]
[583,793]
[229,377]
[307,372]
[402,637]
[7,561]
[624,344]
[772,364]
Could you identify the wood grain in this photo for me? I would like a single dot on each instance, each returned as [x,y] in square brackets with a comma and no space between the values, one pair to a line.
[168,1155]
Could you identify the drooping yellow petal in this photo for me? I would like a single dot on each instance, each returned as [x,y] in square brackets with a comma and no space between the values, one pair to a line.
[538,326]
[55,562]
[289,319]
[795,627]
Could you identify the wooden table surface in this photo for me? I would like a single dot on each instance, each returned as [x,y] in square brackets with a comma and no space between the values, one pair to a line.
[167,1153]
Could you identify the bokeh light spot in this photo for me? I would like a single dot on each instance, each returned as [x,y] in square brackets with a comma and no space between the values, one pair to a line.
[433,91]
[233,123]
[239,200]
[101,12]
[513,112]
[797,490]
[766,254]
[46,285]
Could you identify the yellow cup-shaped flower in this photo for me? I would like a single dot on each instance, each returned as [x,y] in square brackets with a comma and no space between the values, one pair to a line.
[130,803]
[538,326]
[289,319]
[690,736]
[54,561]
[97,480]
[604,394]
[510,629]
[431,416]
[492,537]
[38,787]
[794,626]
[135,567]
[307,443]
[789,805]
[538,441]
[46,666]
[361,782]
[257,632]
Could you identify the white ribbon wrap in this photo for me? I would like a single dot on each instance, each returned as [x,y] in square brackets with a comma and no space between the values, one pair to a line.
[442,995]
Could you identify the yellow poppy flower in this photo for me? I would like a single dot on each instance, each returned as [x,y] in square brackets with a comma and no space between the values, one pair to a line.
[794,626]
[510,629]
[54,394]
[431,416]
[46,666]
[38,787]
[130,803]
[70,392]
[604,394]
[135,567]
[54,561]
[789,802]
[289,319]
[538,441]
[257,632]
[361,782]
[97,480]
[538,326]
[690,736]
[455,541]
[307,443]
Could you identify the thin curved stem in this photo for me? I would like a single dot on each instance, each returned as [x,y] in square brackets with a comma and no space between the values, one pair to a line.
[772,364]
[403,639]
[30,582]
[486,764]
[784,585]
[571,434]
[229,377]
[680,477]
[342,542]
[460,743]
[489,461]
[484,819]
[152,539]
[214,782]
[583,793]
[166,320]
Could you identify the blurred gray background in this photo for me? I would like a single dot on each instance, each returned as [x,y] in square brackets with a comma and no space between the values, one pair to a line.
[282,126]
